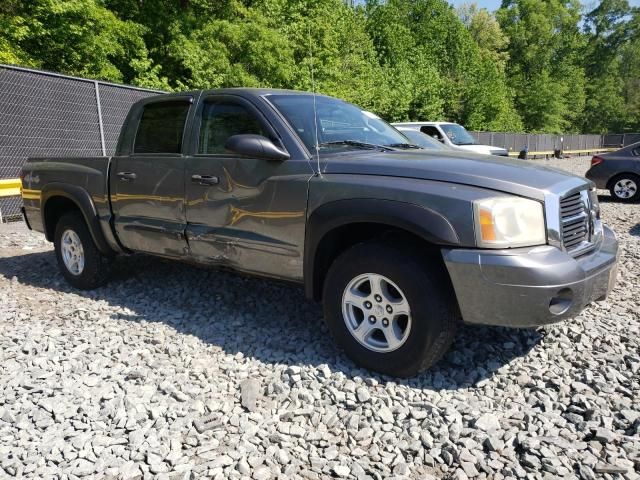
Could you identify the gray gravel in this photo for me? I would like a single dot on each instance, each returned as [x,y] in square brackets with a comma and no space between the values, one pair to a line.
[173,371]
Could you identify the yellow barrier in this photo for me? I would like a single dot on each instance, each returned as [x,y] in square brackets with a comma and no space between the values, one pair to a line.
[10,187]
[593,150]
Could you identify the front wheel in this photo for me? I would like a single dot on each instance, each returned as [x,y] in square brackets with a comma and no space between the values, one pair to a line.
[79,260]
[390,307]
[625,187]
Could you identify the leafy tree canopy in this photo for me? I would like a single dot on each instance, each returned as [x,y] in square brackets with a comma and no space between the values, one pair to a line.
[534,65]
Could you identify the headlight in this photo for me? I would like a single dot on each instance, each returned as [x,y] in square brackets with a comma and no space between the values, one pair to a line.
[503,222]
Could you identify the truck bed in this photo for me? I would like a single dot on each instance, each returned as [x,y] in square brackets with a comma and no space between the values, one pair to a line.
[43,177]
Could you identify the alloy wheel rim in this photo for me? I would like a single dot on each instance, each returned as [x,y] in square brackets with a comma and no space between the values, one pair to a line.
[376,312]
[72,252]
[625,188]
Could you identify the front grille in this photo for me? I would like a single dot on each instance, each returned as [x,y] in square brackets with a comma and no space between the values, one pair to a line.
[575,216]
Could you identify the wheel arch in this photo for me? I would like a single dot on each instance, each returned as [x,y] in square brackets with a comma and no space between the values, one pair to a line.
[337,225]
[60,198]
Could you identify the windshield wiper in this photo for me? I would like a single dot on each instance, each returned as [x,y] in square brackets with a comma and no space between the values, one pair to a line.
[355,143]
[403,145]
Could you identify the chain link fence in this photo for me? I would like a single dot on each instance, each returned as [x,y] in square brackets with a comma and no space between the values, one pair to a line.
[47,114]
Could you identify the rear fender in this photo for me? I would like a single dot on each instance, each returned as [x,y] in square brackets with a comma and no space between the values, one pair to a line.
[81,198]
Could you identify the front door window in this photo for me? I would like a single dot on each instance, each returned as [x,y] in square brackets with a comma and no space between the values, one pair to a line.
[221,120]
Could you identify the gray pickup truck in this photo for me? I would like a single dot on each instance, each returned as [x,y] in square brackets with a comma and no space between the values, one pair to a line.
[399,243]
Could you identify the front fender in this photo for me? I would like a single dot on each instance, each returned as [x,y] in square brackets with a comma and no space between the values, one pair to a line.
[423,222]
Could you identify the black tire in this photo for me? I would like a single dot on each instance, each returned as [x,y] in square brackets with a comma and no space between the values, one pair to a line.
[631,180]
[96,265]
[424,282]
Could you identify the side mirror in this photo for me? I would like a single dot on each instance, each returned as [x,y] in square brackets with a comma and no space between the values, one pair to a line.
[255,146]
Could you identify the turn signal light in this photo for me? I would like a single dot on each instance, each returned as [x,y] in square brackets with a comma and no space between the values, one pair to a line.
[487,228]
[596,161]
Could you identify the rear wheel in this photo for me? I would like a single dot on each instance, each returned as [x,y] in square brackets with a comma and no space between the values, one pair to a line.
[79,260]
[390,307]
[625,187]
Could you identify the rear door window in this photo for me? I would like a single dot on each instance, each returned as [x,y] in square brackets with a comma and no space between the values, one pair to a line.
[161,127]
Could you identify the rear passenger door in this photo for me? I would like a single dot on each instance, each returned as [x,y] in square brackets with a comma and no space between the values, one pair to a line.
[148,182]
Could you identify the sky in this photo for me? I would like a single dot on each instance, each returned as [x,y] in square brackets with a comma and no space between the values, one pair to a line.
[495,4]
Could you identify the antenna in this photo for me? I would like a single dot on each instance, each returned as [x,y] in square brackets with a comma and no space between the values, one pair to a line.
[315,108]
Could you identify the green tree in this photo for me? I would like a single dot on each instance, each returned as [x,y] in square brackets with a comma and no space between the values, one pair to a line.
[611,103]
[223,54]
[425,48]
[544,66]
[528,67]
[79,37]
[174,37]
[264,43]
[630,75]
[328,39]
[486,31]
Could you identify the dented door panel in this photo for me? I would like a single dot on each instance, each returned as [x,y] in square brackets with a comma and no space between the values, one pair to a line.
[254,219]
[149,209]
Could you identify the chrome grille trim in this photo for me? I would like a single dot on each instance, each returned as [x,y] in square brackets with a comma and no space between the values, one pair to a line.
[576,222]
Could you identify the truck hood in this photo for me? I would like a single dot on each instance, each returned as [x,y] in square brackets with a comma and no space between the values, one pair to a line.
[492,172]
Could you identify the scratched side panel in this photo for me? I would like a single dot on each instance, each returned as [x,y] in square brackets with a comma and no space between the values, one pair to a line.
[254,219]
[149,210]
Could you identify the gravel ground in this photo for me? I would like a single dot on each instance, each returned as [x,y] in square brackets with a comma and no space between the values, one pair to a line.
[173,371]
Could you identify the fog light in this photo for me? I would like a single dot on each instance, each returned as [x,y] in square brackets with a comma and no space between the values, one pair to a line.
[561,302]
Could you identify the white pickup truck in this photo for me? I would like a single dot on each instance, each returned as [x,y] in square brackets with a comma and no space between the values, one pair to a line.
[454,136]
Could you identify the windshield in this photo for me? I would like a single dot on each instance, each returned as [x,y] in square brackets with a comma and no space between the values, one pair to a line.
[423,140]
[339,124]
[457,134]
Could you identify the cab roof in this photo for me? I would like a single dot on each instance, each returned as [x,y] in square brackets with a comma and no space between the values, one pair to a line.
[242,91]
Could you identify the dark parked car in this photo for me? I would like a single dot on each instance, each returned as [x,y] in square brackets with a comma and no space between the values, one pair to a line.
[397,242]
[619,172]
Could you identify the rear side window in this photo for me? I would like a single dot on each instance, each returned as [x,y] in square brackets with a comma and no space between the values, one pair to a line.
[161,127]
[431,131]
[223,119]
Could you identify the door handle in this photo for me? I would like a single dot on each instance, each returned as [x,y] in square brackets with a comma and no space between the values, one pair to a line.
[205,179]
[127,176]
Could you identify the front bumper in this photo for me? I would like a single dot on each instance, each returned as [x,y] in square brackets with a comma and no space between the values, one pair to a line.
[532,286]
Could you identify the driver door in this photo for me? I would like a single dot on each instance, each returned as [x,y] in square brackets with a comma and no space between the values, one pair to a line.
[244,212]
